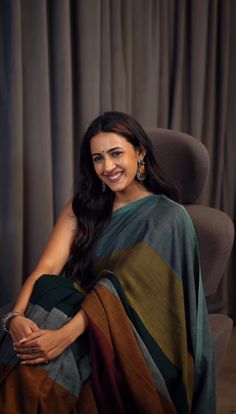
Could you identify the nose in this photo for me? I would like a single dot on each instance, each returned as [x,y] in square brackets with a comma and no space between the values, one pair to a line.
[109,164]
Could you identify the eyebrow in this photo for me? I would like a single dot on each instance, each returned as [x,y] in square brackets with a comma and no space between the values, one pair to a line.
[110,150]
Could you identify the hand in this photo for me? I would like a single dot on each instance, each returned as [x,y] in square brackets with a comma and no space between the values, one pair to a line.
[41,346]
[20,327]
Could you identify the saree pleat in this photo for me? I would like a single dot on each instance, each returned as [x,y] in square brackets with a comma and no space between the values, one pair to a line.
[127,379]
[148,348]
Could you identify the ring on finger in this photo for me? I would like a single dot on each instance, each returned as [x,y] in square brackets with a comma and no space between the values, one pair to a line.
[33,351]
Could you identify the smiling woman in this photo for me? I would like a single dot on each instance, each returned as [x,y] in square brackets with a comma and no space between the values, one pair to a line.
[109,179]
[113,318]
[115,162]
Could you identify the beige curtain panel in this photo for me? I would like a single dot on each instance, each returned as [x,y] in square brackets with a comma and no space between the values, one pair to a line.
[169,63]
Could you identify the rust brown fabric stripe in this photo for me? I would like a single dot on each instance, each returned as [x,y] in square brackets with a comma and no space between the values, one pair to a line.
[110,328]
[43,394]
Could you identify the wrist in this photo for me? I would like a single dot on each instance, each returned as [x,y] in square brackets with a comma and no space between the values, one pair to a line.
[68,334]
[13,319]
[6,319]
[76,326]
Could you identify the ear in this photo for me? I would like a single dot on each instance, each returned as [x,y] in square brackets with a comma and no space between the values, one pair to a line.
[141,152]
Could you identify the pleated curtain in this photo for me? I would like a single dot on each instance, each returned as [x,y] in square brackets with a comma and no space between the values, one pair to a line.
[169,63]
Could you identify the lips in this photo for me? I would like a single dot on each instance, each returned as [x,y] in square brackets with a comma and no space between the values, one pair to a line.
[114,177]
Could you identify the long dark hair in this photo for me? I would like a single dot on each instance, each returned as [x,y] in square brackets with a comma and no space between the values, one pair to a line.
[93,207]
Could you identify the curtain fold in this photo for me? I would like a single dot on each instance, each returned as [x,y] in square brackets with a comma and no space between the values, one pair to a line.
[11,151]
[37,145]
[62,62]
[61,101]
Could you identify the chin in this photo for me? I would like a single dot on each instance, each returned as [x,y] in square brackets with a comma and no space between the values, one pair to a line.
[117,187]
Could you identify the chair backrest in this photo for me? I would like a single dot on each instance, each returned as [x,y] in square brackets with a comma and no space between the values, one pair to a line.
[185,160]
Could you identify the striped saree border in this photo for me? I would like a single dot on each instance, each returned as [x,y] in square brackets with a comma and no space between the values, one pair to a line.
[108,315]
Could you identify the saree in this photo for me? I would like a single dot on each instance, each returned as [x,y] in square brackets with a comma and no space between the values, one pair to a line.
[148,347]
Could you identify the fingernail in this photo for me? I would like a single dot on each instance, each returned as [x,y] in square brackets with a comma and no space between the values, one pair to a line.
[22,340]
[23,362]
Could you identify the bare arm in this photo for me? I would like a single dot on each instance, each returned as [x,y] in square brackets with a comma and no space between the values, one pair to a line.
[54,256]
[48,343]
[52,261]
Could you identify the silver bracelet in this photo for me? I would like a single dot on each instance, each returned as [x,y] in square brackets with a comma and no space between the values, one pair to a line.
[6,319]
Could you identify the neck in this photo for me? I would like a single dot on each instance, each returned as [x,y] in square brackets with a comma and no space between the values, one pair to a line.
[123,198]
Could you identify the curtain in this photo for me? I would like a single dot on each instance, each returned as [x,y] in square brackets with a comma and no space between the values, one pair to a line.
[168,63]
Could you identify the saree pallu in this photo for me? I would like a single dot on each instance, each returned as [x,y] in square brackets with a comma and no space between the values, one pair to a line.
[148,347]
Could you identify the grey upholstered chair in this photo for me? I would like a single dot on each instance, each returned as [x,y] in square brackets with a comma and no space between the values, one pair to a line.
[186,160]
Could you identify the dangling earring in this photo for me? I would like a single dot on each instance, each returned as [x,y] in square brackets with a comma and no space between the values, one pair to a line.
[104,187]
[141,173]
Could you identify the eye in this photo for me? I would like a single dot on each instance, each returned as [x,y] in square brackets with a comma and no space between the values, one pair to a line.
[97,158]
[116,153]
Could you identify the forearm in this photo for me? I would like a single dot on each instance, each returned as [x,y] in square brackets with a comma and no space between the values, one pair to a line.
[76,326]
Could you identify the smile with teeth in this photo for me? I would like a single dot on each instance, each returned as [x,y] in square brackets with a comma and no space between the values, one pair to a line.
[114,177]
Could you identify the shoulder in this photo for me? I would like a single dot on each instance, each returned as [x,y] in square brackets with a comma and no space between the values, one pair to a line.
[67,218]
[167,225]
[172,223]
[171,213]
[164,204]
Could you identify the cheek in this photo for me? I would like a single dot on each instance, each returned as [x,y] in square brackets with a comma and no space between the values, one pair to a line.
[97,169]
[132,166]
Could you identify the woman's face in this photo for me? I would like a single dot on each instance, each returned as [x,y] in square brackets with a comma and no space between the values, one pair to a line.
[115,160]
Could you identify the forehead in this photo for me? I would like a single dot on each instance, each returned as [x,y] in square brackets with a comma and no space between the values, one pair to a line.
[104,141]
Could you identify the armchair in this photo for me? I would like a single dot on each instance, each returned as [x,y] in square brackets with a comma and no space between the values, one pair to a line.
[186,160]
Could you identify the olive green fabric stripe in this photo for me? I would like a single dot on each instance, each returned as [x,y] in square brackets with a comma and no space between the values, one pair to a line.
[150,270]
[167,325]
[171,373]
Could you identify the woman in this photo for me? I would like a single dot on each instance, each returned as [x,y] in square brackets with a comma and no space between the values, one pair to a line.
[124,327]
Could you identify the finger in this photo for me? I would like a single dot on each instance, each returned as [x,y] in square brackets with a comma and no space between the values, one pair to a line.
[30,337]
[23,351]
[28,357]
[35,361]
[34,326]
[42,356]
[26,345]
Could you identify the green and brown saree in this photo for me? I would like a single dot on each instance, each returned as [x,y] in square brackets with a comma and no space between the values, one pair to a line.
[148,348]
